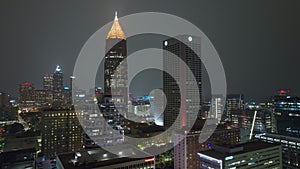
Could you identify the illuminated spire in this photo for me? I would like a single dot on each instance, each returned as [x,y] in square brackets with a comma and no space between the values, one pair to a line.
[116,31]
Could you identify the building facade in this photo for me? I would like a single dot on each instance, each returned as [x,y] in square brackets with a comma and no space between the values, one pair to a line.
[187,145]
[182,105]
[26,95]
[290,148]
[48,87]
[58,87]
[286,114]
[247,155]
[233,102]
[61,132]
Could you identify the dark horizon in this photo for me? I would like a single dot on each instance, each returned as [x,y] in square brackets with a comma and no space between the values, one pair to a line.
[256,41]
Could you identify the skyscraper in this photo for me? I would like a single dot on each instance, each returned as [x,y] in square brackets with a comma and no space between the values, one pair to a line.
[177,103]
[48,88]
[58,87]
[40,98]
[216,107]
[115,67]
[116,51]
[233,102]
[286,114]
[48,82]
[109,132]
[26,95]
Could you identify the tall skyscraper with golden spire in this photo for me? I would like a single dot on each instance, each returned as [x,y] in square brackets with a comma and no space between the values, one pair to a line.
[114,108]
[115,66]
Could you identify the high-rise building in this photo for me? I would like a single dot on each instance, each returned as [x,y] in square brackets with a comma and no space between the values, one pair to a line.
[113,107]
[48,82]
[247,155]
[58,87]
[8,111]
[61,132]
[4,100]
[116,51]
[40,98]
[67,96]
[233,102]
[254,120]
[26,95]
[217,103]
[72,89]
[105,128]
[115,67]
[181,104]
[48,87]
[187,143]
[286,114]
[290,148]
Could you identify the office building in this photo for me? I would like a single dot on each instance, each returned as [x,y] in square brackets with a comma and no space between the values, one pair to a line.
[187,145]
[115,67]
[20,149]
[48,87]
[4,100]
[8,111]
[40,98]
[48,82]
[217,105]
[247,155]
[67,96]
[61,132]
[233,102]
[290,148]
[102,159]
[182,105]
[26,95]
[58,87]
[286,114]
[255,120]
[105,128]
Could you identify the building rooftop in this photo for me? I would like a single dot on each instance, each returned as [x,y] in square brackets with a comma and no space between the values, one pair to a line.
[277,136]
[99,157]
[22,141]
[222,151]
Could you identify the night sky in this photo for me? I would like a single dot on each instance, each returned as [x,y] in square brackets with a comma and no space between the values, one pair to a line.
[258,41]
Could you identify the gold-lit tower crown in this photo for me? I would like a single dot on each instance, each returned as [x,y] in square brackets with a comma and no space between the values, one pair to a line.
[116,31]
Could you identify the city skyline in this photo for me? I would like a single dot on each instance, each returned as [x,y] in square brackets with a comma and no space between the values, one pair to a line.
[268,36]
[140,94]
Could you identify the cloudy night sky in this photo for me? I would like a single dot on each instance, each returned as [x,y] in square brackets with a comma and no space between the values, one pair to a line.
[258,41]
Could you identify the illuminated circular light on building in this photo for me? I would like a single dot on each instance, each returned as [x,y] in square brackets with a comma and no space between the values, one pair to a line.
[190,39]
[58,68]
[166,43]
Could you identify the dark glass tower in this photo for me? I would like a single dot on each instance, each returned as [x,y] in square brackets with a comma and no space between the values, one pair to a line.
[181,104]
